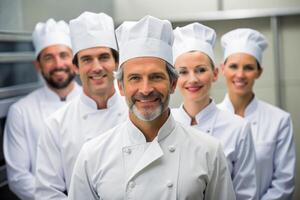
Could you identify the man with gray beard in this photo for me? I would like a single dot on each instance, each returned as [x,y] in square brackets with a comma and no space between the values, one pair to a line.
[150,156]
[26,118]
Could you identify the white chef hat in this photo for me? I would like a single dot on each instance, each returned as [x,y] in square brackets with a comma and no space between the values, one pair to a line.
[92,30]
[194,37]
[244,40]
[50,33]
[149,37]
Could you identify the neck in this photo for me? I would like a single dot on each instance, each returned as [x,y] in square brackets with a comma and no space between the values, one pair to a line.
[101,100]
[64,92]
[150,128]
[192,108]
[240,103]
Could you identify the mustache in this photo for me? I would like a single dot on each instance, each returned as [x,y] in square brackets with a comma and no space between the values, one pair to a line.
[152,95]
[60,69]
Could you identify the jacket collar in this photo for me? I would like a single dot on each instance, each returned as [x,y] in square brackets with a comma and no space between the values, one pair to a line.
[89,106]
[249,109]
[135,136]
[50,95]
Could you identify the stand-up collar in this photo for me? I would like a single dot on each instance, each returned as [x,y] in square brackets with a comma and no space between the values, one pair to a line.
[90,106]
[249,109]
[50,95]
[135,136]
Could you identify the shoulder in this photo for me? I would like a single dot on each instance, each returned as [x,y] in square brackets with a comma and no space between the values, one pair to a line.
[105,141]
[28,102]
[271,110]
[197,138]
[67,112]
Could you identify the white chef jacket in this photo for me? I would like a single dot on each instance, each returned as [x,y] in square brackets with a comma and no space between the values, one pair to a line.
[235,135]
[272,132]
[67,130]
[180,163]
[25,122]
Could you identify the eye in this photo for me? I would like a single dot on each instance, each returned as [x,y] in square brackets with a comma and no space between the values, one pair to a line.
[200,69]
[156,77]
[232,66]
[182,72]
[104,57]
[249,68]
[64,55]
[86,59]
[134,78]
[47,57]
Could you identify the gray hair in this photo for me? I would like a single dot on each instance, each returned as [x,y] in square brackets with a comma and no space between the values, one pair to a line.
[173,75]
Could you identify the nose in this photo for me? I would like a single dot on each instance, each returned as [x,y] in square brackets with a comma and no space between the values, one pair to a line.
[58,61]
[146,87]
[192,77]
[240,73]
[97,66]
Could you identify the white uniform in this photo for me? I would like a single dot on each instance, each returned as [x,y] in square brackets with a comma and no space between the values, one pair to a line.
[180,163]
[274,146]
[25,122]
[67,130]
[235,135]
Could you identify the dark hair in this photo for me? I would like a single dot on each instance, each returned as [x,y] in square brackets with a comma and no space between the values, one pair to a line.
[114,53]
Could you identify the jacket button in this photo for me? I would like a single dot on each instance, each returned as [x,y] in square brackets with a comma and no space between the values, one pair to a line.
[85,117]
[169,184]
[131,184]
[172,148]
[128,151]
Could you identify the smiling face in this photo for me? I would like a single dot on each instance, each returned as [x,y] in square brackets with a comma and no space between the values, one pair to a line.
[146,86]
[55,65]
[96,66]
[240,71]
[196,75]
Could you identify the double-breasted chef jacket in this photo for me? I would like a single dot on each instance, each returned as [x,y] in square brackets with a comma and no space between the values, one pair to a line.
[25,123]
[272,133]
[234,133]
[180,163]
[67,130]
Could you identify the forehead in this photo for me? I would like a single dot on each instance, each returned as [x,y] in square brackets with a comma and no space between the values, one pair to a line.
[55,49]
[192,59]
[241,58]
[94,51]
[144,65]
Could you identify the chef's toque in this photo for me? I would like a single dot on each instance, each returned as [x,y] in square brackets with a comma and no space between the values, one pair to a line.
[92,30]
[194,37]
[149,37]
[244,40]
[50,33]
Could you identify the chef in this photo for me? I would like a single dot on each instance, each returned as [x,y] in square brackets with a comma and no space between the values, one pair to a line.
[150,156]
[96,110]
[272,129]
[194,61]
[26,118]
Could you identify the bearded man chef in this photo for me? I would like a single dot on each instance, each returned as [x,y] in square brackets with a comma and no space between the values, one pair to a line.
[96,110]
[26,118]
[150,156]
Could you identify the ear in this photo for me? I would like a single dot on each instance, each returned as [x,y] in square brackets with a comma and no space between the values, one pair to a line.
[260,71]
[216,74]
[222,67]
[37,65]
[75,68]
[173,86]
[121,88]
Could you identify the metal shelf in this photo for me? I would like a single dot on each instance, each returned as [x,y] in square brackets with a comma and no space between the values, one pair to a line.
[16,57]
[235,14]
